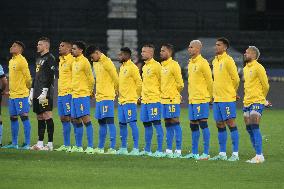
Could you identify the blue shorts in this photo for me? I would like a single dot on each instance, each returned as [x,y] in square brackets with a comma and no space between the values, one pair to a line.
[80,107]
[224,110]
[171,110]
[198,111]
[64,105]
[18,106]
[150,112]
[127,112]
[253,109]
[104,108]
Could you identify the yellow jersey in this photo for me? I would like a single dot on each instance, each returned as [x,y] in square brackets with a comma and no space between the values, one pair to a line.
[200,82]
[106,79]
[171,82]
[20,80]
[151,82]
[82,77]
[130,83]
[65,75]
[256,83]
[226,78]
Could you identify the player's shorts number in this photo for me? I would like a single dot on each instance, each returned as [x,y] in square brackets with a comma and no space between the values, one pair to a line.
[105,108]
[154,111]
[68,106]
[21,104]
[129,112]
[228,110]
[198,109]
[255,107]
[172,109]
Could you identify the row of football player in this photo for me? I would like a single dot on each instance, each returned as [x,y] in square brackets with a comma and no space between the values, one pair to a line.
[158,91]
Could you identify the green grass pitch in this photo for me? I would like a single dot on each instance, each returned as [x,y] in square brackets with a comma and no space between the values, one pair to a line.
[32,169]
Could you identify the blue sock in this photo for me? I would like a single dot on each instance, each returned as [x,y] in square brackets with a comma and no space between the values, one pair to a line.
[79,134]
[206,136]
[66,132]
[148,135]
[74,129]
[112,135]
[102,134]
[170,128]
[195,137]
[222,137]
[135,134]
[257,138]
[235,138]
[1,131]
[123,134]
[178,133]
[27,130]
[249,130]
[90,134]
[15,131]
[160,135]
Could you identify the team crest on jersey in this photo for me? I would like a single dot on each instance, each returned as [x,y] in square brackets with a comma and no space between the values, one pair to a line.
[148,71]
[41,62]
[14,66]
[165,70]
[221,65]
[250,73]
[125,72]
[195,68]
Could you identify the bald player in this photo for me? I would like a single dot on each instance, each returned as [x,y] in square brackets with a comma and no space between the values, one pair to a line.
[200,87]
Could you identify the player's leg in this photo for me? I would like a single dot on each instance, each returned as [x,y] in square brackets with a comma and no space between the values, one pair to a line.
[14,124]
[24,109]
[155,118]
[222,132]
[255,117]
[122,130]
[203,123]
[231,115]
[131,112]
[76,109]
[64,110]
[194,115]
[102,128]
[47,116]
[90,134]
[1,131]
[248,125]
[148,129]
[108,116]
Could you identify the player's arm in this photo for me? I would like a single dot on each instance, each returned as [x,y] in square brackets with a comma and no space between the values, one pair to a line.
[26,73]
[137,80]
[232,68]
[178,77]
[208,77]
[90,76]
[109,66]
[261,73]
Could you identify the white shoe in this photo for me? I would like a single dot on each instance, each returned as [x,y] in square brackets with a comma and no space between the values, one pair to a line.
[47,148]
[256,159]
[36,147]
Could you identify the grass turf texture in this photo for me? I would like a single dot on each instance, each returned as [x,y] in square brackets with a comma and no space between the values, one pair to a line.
[32,169]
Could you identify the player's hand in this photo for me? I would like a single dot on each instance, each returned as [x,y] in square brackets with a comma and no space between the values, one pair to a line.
[238,97]
[6,93]
[30,99]
[267,104]
[42,97]
[139,101]
[93,95]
